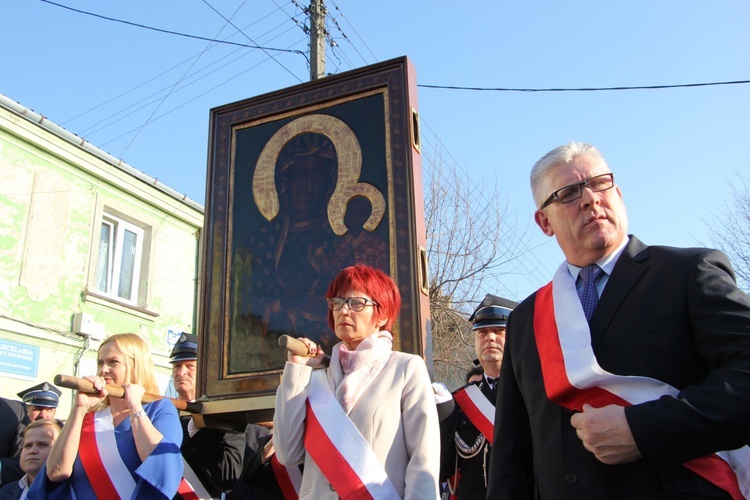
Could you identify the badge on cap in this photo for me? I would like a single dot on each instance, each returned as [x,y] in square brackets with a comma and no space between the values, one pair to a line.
[185,349]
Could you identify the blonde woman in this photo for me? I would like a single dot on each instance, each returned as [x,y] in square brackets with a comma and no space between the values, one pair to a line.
[116,447]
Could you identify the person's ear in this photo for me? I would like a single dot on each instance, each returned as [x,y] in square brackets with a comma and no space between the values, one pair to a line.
[543,222]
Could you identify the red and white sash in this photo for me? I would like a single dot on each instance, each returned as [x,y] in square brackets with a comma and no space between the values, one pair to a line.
[339,450]
[289,478]
[107,472]
[100,457]
[572,376]
[479,409]
[191,487]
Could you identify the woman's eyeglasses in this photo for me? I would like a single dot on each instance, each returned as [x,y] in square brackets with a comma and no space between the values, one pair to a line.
[355,304]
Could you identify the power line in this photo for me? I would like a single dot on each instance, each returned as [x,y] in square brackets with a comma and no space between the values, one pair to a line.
[239,30]
[177,33]
[174,86]
[355,32]
[189,101]
[585,89]
[205,68]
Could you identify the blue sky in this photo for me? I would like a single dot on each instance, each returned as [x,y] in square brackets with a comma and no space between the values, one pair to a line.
[144,96]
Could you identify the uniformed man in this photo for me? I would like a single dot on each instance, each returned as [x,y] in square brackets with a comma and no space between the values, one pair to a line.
[41,401]
[214,456]
[13,420]
[467,419]
[37,402]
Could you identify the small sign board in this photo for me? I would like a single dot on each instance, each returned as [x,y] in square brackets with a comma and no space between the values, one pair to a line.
[19,360]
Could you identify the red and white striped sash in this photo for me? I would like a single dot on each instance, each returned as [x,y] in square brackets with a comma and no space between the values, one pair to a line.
[479,409]
[107,472]
[100,457]
[572,376]
[338,448]
[191,487]
[289,478]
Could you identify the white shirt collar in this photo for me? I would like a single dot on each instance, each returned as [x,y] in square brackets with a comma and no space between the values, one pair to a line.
[23,483]
[607,263]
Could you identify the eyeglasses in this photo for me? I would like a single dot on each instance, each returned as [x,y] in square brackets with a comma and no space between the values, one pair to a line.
[355,304]
[572,192]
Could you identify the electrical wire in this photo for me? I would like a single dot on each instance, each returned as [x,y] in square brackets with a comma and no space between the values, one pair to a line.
[585,89]
[184,75]
[169,32]
[123,94]
[115,118]
[239,30]
[356,33]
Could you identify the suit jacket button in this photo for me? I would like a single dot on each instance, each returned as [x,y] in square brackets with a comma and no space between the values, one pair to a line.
[571,478]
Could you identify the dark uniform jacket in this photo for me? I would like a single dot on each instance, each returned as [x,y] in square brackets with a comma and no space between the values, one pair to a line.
[13,421]
[464,448]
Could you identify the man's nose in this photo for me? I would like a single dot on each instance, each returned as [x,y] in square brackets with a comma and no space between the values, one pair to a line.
[589,197]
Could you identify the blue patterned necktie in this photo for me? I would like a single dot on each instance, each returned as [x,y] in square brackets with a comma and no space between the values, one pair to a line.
[588,294]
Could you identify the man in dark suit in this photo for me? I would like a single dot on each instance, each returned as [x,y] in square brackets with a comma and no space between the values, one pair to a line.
[214,455]
[624,383]
[466,430]
[13,421]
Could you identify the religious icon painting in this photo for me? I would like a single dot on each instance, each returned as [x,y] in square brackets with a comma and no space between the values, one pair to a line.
[302,183]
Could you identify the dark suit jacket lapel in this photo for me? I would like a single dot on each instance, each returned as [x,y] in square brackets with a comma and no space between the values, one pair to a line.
[629,268]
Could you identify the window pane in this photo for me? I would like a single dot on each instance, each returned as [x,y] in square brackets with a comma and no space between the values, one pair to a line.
[103,259]
[127,264]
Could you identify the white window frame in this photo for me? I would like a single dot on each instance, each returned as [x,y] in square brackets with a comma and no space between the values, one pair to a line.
[115,247]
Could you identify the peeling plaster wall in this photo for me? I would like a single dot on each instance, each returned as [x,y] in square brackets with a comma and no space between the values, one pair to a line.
[52,195]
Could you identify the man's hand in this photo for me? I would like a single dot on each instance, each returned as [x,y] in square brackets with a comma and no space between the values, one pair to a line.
[605,433]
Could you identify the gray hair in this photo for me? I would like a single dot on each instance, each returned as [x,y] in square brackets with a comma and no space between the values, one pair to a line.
[561,155]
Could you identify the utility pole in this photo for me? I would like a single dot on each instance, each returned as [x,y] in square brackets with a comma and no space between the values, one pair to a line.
[317,39]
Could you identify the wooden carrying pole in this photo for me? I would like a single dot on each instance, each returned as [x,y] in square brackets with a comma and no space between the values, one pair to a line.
[299,348]
[83,385]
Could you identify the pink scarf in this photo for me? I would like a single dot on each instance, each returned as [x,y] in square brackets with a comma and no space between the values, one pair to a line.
[354,371]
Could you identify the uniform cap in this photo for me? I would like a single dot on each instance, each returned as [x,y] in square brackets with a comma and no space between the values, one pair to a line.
[186,348]
[493,311]
[44,394]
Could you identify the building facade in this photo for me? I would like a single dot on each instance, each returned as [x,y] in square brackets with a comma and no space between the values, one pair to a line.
[89,247]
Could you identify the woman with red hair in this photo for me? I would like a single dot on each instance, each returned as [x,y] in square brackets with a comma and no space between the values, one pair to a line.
[366,426]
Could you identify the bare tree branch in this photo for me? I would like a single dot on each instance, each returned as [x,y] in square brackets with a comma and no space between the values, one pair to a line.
[471,241]
[730,229]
